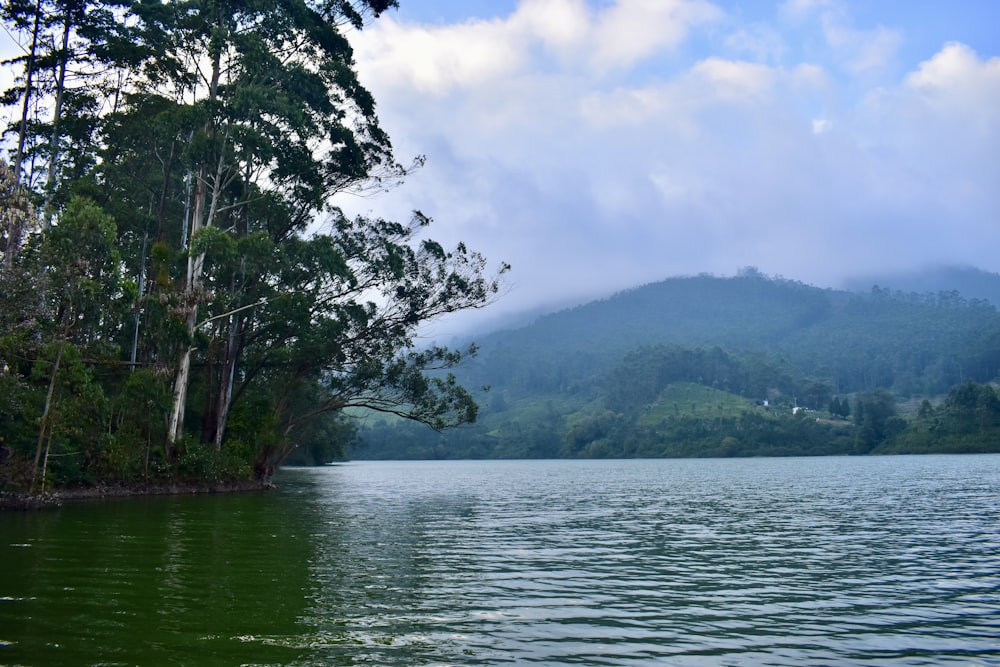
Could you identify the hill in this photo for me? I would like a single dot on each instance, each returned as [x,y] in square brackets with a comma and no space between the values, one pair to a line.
[608,365]
[970,282]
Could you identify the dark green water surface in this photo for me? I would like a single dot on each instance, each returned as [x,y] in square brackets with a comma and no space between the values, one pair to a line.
[826,561]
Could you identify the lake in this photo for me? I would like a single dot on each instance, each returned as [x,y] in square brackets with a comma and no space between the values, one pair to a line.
[799,561]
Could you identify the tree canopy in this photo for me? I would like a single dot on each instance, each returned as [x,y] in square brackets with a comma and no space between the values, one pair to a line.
[198,304]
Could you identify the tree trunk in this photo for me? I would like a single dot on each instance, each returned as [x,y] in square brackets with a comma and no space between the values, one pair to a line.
[22,131]
[192,283]
[15,223]
[200,218]
[50,183]
[226,380]
[44,424]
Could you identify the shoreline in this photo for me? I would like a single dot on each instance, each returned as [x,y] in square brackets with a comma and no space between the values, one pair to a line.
[26,502]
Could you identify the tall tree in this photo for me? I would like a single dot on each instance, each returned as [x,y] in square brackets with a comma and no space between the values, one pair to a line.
[216,139]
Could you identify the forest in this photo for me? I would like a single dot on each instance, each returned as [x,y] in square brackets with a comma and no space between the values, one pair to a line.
[181,302]
[748,365]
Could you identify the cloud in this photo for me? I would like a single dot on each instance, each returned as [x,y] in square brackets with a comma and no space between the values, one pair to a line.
[760,41]
[436,60]
[631,30]
[862,50]
[734,81]
[592,180]
[935,137]
[957,81]
[561,25]
[476,53]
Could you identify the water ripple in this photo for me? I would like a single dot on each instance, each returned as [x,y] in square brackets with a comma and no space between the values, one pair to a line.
[803,561]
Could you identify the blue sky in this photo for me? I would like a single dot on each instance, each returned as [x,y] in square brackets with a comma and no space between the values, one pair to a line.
[599,145]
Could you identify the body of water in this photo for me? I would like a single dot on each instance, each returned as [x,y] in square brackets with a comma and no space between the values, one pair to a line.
[818,561]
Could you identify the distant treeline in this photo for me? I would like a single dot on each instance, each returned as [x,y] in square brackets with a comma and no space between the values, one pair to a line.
[967,421]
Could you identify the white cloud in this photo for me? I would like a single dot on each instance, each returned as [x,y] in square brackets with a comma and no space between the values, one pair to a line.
[561,25]
[821,126]
[440,59]
[437,60]
[735,81]
[681,104]
[858,51]
[632,30]
[956,80]
[862,50]
[591,182]
[760,41]
[937,136]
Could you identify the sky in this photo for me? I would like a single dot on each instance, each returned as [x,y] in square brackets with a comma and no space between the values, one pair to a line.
[597,145]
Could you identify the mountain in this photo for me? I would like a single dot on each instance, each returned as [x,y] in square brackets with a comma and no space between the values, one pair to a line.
[603,365]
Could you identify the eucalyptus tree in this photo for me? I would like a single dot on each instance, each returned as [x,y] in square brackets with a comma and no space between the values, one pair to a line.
[261,113]
[222,132]
[70,70]
[338,331]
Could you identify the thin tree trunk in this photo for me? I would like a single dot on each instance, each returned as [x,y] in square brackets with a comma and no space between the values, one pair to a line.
[50,184]
[227,378]
[29,74]
[15,222]
[45,462]
[138,311]
[192,281]
[200,218]
[44,424]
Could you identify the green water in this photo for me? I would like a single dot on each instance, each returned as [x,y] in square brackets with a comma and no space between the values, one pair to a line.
[826,561]
[156,581]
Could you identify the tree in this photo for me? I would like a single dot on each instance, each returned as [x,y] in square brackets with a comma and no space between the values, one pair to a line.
[875,416]
[74,266]
[816,394]
[972,408]
[841,408]
[224,131]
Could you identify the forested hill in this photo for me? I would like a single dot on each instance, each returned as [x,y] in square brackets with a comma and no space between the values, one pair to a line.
[911,343]
[748,338]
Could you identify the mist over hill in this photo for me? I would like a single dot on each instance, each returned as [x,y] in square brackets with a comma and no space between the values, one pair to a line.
[970,282]
[747,340]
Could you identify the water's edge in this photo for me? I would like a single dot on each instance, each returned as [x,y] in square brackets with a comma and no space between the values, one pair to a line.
[21,501]
[25,501]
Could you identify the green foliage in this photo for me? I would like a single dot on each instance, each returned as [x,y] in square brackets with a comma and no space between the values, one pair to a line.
[907,343]
[876,419]
[323,440]
[173,312]
[967,421]
[684,367]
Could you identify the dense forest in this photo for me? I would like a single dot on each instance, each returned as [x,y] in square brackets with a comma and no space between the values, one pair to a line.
[180,302]
[744,366]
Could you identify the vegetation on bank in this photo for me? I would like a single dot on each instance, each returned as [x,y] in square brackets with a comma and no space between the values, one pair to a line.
[180,302]
[713,424]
